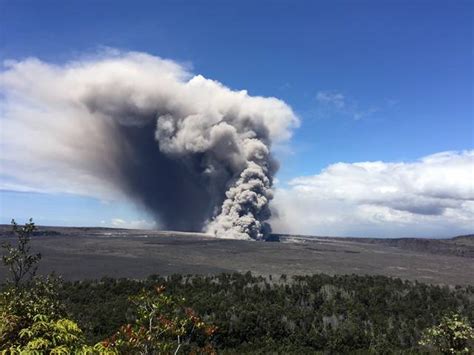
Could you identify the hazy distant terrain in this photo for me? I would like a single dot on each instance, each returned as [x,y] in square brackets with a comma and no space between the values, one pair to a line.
[79,253]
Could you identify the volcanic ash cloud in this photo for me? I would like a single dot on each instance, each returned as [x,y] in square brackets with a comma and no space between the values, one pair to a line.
[192,152]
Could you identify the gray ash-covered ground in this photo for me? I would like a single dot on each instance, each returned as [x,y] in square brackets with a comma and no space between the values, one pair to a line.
[90,253]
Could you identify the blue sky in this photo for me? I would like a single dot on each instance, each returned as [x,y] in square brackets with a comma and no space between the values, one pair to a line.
[370,80]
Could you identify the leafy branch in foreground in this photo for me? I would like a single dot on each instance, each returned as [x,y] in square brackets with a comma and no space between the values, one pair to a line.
[162,325]
[453,335]
[21,263]
[45,335]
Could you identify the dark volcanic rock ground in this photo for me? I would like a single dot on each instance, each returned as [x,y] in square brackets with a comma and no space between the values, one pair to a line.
[78,253]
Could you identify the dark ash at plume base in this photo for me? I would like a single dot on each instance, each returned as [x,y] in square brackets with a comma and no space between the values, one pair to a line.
[194,153]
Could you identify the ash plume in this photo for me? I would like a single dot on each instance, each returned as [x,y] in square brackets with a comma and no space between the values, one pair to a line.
[195,154]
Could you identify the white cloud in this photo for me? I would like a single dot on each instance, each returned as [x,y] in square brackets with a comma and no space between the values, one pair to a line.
[433,196]
[135,224]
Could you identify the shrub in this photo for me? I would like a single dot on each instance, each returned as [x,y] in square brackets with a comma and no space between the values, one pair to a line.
[162,325]
[453,335]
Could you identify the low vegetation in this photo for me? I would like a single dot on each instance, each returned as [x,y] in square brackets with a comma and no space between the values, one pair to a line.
[230,314]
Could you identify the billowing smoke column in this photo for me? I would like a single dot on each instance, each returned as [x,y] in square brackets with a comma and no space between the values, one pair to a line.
[246,209]
[235,157]
[192,152]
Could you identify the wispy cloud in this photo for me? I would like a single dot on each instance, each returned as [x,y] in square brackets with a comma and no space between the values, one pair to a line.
[334,103]
[285,86]
[335,99]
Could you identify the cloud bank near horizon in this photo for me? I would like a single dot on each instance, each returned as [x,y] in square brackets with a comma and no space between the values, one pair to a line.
[431,197]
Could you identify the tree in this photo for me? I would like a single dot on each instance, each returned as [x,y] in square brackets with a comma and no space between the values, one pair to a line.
[162,325]
[20,305]
[48,336]
[453,335]
[21,263]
